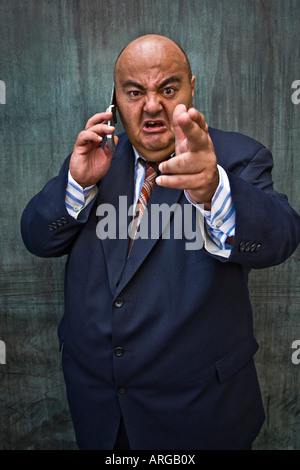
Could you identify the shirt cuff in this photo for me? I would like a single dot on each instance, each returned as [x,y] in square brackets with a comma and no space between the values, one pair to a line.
[78,198]
[220,220]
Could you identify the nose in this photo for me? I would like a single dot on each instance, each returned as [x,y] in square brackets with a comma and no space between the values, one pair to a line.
[152,103]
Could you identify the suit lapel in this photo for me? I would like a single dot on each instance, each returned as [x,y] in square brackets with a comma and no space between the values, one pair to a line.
[142,247]
[116,195]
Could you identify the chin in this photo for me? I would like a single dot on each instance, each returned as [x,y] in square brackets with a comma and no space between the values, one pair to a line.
[157,152]
[157,155]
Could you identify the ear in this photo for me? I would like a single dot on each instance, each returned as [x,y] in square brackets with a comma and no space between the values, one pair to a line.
[193,82]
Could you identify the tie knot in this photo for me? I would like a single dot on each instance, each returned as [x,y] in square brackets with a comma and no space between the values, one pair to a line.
[149,166]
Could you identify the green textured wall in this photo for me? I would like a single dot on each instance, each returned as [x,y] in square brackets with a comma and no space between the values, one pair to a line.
[56,61]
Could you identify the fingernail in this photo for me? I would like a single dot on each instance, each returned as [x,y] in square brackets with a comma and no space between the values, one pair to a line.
[158,180]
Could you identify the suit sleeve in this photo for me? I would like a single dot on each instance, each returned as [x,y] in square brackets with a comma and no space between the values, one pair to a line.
[267,228]
[47,229]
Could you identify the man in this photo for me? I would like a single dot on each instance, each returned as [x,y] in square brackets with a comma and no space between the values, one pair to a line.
[158,339]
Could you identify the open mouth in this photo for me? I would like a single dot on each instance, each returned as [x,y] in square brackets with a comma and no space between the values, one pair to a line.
[154,126]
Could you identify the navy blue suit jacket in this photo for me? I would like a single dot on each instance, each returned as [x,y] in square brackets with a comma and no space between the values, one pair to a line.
[166,337]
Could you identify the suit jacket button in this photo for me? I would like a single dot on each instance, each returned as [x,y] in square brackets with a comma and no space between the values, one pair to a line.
[247,247]
[122,390]
[118,303]
[119,351]
[258,247]
[242,246]
[51,228]
[253,247]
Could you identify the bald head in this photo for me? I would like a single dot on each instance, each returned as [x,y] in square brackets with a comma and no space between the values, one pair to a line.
[152,45]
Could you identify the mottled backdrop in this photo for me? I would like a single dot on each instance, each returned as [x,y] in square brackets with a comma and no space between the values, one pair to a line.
[56,61]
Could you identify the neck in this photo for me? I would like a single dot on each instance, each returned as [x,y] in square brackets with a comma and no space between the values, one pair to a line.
[152,162]
[156,157]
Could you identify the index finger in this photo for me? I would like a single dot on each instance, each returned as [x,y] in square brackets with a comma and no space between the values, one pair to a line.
[199,118]
[98,119]
[194,127]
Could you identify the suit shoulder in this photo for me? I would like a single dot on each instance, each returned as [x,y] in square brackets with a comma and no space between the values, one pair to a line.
[233,148]
[233,139]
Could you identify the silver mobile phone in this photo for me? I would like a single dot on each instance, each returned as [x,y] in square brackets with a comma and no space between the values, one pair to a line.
[112,122]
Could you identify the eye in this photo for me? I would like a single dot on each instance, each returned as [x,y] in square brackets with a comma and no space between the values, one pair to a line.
[134,94]
[169,91]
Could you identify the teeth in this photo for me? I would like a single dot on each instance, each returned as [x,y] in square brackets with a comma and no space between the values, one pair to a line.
[153,124]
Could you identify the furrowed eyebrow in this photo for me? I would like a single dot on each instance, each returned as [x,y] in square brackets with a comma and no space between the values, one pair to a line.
[130,83]
[167,81]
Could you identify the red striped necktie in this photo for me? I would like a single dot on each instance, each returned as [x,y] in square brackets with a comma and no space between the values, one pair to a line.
[146,191]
